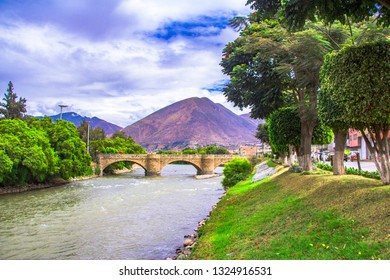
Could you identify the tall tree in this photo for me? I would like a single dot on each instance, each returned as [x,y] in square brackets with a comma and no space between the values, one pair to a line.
[270,67]
[71,150]
[333,116]
[12,107]
[357,79]
[295,12]
[284,129]
[94,133]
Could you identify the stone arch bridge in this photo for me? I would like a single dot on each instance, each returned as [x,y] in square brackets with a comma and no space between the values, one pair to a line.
[154,163]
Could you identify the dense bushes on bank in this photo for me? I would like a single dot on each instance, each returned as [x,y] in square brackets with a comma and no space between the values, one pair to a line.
[37,150]
[235,171]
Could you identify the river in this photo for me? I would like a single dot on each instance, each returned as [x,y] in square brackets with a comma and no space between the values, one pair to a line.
[119,217]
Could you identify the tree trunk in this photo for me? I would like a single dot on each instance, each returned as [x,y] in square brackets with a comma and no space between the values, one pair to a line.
[283,158]
[358,161]
[380,151]
[306,139]
[385,3]
[307,107]
[340,137]
[291,155]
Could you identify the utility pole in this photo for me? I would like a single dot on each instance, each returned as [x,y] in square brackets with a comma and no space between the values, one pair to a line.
[62,106]
[88,139]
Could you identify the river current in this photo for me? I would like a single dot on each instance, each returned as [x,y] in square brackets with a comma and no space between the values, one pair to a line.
[126,216]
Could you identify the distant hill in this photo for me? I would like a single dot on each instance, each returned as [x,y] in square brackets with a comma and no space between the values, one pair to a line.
[75,118]
[256,122]
[191,123]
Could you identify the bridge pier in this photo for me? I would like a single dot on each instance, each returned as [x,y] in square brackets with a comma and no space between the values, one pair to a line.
[153,165]
[207,165]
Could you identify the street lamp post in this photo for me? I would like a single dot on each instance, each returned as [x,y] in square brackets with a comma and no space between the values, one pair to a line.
[62,106]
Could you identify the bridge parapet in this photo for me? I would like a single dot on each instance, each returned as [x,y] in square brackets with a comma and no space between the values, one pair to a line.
[153,163]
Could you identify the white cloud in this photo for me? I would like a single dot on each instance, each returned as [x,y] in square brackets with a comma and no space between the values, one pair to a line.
[120,77]
[151,14]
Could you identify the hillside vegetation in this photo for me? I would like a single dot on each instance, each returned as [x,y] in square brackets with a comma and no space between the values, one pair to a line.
[294,216]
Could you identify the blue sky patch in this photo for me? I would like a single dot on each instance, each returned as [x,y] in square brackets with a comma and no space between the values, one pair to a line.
[201,27]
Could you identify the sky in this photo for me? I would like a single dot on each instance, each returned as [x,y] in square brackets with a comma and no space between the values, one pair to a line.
[119,60]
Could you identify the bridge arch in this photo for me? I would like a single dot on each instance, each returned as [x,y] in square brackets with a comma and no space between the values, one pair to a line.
[197,167]
[125,160]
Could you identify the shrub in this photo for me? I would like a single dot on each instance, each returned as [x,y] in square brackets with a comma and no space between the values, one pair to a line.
[296,168]
[352,171]
[235,171]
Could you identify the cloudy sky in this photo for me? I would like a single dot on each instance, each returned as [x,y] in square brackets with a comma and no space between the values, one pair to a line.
[119,60]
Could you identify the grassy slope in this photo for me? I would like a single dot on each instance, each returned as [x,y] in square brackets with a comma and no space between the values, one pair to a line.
[295,216]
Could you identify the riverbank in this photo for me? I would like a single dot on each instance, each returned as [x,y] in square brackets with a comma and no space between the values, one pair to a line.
[57,182]
[294,216]
[53,183]
[113,217]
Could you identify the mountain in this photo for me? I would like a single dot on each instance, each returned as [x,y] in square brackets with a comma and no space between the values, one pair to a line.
[256,122]
[75,118]
[191,123]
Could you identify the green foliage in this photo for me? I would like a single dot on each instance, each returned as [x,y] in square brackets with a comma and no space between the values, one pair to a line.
[350,79]
[324,166]
[65,139]
[116,145]
[322,134]
[294,13]
[6,165]
[209,150]
[26,155]
[188,151]
[352,171]
[214,150]
[262,133]
[71,150]
[284,129]
[235,171]
[270,68]
[167,152]
[94,133]
[11,107]
[120,134]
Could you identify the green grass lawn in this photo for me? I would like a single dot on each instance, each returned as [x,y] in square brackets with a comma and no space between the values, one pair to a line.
[293,216]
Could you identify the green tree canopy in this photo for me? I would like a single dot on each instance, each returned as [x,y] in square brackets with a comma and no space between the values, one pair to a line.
[216,150]
[262,133]
[294,13]
[12,107]
[115,145]
[94,133]
[120,134]
[26,155]
[270,67]
[65,139]
[356,78]
[284,128]
[235,171]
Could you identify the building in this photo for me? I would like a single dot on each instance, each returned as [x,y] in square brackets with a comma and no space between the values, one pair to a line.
[356,143]
[248,150]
